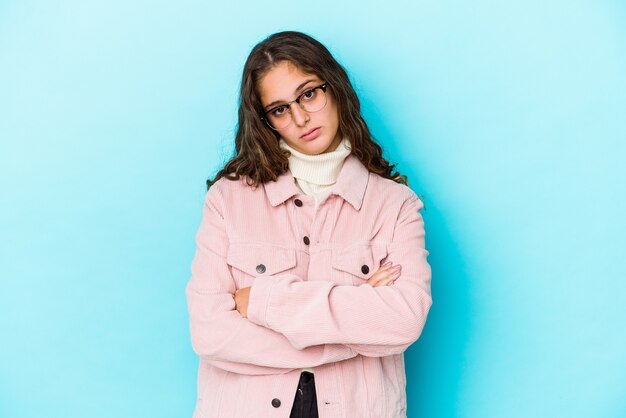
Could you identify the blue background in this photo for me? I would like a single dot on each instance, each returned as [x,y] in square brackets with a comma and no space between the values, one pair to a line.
[508,116]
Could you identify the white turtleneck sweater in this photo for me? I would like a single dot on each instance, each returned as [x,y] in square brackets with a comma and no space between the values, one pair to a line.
[316,174]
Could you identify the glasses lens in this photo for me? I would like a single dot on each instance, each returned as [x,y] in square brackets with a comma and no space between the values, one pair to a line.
[313,100]
[279,118]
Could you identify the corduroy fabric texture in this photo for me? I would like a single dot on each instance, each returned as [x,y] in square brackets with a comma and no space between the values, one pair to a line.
[310,305]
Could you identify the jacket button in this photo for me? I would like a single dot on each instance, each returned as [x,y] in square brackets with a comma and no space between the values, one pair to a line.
[298,202]
[260,269]
[306,240]
[275,402]
[365,269]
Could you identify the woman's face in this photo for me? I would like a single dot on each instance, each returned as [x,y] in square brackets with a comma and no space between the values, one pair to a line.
[284,83]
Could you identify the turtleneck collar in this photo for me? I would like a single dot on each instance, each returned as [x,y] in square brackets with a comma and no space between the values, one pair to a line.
[321,169]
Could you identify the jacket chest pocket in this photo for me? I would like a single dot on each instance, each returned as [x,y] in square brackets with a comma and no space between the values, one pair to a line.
[250,260]
[356,263]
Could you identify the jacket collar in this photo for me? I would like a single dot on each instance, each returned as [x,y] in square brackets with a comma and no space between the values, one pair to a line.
[350,185]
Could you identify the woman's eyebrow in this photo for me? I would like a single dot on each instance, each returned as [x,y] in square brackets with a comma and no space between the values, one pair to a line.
[275,102]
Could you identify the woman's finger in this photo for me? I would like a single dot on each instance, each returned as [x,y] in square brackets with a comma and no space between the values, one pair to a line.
[390,278]
[384,275]
[383,272]
[379,275]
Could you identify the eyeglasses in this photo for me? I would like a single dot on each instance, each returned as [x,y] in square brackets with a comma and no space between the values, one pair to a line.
[312,100]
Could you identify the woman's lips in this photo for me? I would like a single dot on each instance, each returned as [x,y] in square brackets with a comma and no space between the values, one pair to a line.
[311,135]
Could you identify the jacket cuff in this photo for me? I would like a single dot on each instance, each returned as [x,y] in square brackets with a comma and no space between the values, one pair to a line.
[259,299]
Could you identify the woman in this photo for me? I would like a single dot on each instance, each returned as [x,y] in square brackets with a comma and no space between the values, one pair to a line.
[310,277]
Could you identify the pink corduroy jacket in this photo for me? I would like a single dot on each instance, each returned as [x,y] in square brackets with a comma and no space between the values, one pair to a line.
[310,305]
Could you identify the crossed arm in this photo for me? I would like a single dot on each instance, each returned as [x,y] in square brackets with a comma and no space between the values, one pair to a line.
[275,337]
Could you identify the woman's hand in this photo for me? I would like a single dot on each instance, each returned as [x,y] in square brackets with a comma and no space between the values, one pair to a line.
[241,300]
[386,275]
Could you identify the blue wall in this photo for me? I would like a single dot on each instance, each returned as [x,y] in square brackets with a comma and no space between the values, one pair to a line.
[507,116]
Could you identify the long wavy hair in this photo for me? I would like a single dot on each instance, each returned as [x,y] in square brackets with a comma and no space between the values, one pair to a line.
[258,155]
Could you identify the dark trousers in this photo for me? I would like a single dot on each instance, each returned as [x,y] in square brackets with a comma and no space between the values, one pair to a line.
[305,402]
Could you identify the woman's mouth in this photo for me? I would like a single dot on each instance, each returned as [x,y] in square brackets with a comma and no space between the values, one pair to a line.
[312,134]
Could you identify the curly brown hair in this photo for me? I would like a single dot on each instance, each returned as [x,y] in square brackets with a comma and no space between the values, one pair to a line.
[258,155]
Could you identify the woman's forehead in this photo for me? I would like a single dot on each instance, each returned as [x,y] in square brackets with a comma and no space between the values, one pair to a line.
[283,81]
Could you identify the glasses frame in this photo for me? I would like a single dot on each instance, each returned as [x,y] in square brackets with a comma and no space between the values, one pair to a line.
[323,86]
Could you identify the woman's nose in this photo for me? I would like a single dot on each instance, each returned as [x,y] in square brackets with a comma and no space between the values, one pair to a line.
[299,115]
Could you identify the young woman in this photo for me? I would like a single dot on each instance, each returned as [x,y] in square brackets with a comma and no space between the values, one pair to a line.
[310,277]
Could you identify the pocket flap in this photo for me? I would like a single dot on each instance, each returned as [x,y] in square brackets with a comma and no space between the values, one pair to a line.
[362,260]
[259,259]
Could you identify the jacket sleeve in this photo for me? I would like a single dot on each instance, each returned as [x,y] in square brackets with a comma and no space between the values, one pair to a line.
[374,321]
[219,334]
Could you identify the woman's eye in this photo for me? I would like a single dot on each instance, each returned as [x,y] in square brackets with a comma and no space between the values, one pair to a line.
[308,95]
[279,111]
